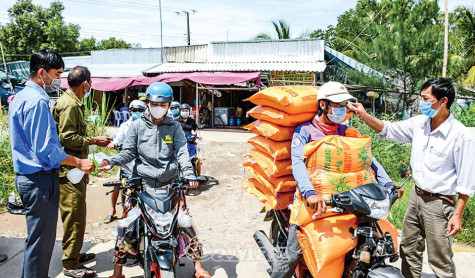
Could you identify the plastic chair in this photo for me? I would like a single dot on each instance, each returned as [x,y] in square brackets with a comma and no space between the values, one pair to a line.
[117,118]
[125,115]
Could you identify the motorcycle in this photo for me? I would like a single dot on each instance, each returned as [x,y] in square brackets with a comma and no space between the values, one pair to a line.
[154,234]
[369,203]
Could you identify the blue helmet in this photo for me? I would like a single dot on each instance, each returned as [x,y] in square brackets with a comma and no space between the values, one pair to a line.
[175,104]
[185,106]
[159,92]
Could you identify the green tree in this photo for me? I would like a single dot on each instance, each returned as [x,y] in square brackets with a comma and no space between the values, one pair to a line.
[87,45]
[112,43]
[33,27]
[401,38]
[462,47]
[282,30]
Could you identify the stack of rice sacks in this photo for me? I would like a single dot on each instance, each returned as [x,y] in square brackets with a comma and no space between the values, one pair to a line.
[334,163]
[279,111]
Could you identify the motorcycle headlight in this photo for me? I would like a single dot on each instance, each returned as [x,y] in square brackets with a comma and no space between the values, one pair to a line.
[379,208]
[162,221]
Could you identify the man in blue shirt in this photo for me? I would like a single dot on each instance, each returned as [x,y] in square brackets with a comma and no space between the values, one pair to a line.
[37,156]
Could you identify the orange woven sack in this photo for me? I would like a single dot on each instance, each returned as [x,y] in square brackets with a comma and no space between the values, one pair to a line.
[277,150]
[327,183]
[277,202]
[338,154]
[275,184]
[279,117]
[290,99]
[387,226]
[325,242]
[270,130]
[277,168]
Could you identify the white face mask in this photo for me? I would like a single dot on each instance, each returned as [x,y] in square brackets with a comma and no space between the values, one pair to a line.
[185,114]
[157,112]
[53,86]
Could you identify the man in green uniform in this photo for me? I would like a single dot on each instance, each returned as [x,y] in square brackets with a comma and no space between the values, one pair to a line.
[68,113]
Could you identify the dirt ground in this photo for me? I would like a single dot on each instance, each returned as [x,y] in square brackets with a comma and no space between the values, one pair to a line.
[226,217]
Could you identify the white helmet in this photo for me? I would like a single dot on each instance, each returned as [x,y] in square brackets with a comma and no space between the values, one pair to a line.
[138,104]
[334,92]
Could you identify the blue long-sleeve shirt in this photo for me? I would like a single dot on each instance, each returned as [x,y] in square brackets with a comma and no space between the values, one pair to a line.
[33,133]
[306,133]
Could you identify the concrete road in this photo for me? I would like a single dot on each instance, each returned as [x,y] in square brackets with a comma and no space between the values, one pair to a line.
[243,263]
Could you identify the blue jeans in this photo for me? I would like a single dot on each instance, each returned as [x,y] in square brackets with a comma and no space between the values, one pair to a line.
[39,193]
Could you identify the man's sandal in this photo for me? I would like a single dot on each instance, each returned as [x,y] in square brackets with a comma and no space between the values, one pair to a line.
[109,219]
[202,274]
[86,257]
[79,272]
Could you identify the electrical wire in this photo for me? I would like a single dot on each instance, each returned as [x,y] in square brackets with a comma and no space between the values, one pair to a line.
[366,27]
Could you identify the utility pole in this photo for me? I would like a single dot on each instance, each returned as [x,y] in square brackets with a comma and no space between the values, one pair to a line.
[188,27]
[446,41]
[161,32]
[187,13]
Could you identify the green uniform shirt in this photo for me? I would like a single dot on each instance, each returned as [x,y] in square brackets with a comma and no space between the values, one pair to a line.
[68,112]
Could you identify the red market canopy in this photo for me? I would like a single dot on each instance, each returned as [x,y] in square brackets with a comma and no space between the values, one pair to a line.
[210,78]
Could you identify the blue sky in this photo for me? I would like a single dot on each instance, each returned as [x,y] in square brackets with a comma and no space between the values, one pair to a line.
[214,20]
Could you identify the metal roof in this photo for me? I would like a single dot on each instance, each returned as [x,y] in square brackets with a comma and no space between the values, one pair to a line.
[355,64]
[238,67]
[115,70]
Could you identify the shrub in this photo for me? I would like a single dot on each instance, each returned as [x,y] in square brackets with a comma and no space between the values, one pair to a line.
[465,114]
[7,175]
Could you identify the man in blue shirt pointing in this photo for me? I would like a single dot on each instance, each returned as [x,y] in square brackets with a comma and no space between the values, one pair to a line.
[37,156]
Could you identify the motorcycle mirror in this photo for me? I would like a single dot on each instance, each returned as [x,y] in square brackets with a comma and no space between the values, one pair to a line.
[405,172]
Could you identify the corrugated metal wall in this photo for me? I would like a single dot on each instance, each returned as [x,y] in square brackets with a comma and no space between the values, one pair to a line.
[268,51]
[187,54]
[127,56]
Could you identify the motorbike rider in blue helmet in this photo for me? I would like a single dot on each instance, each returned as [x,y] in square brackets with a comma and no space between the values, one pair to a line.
[157,144]
[175,109]
[188,124]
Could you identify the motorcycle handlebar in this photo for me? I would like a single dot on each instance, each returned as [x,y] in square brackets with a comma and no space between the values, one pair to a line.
[329,203]
[112,183]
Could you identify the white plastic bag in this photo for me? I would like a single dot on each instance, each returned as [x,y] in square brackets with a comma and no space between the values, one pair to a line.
[184,220]
[122,224]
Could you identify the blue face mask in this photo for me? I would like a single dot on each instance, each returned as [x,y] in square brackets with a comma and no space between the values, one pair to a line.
[88,93]
[338,116]
[175,112]
[136,115]
[426,109]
